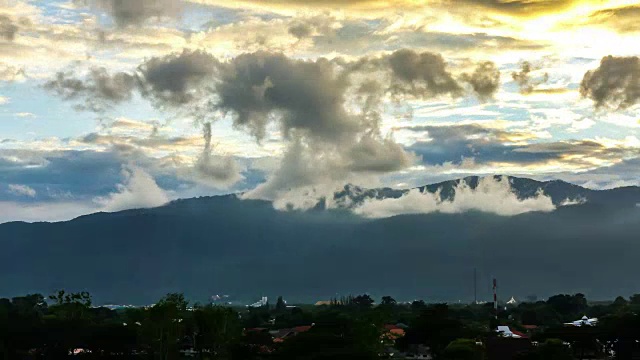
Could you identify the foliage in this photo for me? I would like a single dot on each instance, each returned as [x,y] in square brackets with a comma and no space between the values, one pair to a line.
[352,327]
[463,349]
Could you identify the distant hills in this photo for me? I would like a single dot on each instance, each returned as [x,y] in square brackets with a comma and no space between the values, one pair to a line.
[244,248]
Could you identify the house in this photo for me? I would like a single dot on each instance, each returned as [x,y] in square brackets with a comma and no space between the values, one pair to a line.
[393,332]
[506,331]
[585,321]
[281,335]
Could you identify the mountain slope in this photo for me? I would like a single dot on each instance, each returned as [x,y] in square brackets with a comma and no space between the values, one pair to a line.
[245,248]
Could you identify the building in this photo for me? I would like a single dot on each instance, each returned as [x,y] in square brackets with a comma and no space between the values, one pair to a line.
[585,321]
[506,331]
[262,302]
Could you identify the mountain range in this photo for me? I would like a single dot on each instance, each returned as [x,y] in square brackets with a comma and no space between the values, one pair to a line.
[246,248]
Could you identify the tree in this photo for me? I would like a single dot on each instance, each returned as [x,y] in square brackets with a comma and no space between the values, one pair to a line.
[463,349]
[336,335]
[551,349]
[435,327]
[164,327]
[72,306]
[570,306]
[280,305]
[635,299]
[620,301]
[418,306]
[388,301]
[216,329]
[363,301]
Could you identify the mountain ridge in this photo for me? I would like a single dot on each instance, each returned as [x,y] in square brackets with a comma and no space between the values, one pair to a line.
[247,249]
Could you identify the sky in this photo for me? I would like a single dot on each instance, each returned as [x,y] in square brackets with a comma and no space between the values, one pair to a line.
[108,105]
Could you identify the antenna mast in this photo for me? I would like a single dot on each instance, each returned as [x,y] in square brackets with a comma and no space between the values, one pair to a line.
[495,297]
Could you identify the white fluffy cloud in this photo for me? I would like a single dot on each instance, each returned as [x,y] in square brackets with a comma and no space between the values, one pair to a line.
[138,190]
[21,190]
[491,195]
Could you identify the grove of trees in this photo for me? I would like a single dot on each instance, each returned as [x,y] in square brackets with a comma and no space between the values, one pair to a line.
[67,325]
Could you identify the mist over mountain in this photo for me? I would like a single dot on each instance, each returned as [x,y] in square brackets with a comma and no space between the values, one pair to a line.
[246,248]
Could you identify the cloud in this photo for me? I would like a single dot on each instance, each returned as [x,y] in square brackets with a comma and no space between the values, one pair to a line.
[11,73]
[410,74]
[423,75]
[524,80]
[491,195]
[323,25]
[524,8]
[21,190]
[308,96]
[615,84]
[514,148]
[8,29]
[126,124]
[177,79]
[485,80]
[331,125]
[623,19]
[98,91]
[214,170]
[136,12]
[138,190]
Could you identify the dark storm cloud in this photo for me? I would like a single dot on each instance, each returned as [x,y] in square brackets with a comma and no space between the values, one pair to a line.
[373,155]
[615,84]
[176,79]
[426,75]
[309,101]
[8,29]
[423,75]
[485,80]
[169,81]
[98,91]
[329,111]
[309,95]
[135,12]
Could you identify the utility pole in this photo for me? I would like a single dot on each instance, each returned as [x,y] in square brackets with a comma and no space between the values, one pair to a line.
[495,297]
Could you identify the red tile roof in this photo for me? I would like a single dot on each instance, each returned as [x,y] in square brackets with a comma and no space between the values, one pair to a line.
[300,329]
[516,332]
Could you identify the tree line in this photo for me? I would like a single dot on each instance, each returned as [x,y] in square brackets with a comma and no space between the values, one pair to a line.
[67,325]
